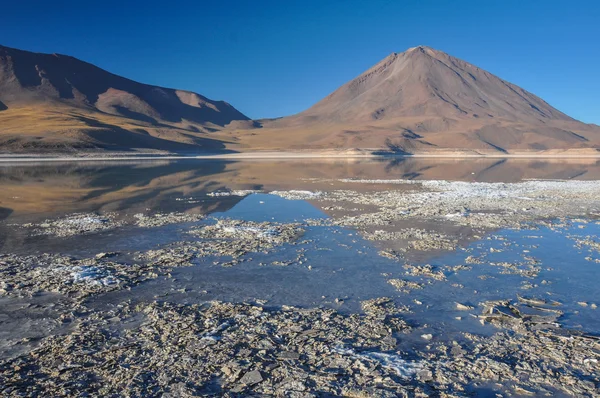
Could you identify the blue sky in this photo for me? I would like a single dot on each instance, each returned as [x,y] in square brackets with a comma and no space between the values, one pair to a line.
[275,58]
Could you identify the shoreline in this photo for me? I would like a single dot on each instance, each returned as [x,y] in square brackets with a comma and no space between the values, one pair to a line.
[281,155]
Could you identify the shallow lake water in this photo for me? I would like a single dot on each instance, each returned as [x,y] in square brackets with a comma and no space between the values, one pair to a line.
[329,266]
[343,265]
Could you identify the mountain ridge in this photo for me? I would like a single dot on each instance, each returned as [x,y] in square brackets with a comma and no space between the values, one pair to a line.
[415,102]
[62,84]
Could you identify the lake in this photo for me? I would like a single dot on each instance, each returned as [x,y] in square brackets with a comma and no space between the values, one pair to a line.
[441,253]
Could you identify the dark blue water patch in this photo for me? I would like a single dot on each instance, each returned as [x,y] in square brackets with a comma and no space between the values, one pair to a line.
[255,207]
[570,278]
[264,207]
[338,270]
[565,276]
[336,263]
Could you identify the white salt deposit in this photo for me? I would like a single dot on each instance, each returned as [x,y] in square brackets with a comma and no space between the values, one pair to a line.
[259,232]
[92,275]
[297,195]
[402,367]
[239,192]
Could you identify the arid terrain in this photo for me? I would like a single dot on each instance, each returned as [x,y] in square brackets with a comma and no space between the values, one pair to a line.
[57,103]
[421,101]
[426,101]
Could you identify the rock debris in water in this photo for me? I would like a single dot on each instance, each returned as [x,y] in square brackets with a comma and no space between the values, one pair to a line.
[161,348]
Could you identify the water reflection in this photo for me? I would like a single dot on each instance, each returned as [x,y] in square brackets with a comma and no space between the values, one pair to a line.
[30,192]
[34,192]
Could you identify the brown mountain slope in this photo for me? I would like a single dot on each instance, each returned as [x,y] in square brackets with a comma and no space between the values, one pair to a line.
[424,100]
[57,101]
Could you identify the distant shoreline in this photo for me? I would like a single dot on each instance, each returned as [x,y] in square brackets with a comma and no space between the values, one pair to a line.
[257,155]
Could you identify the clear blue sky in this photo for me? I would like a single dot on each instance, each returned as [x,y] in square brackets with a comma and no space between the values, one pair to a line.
[275,58]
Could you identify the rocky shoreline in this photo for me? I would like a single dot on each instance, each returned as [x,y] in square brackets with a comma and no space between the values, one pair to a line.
[239,349]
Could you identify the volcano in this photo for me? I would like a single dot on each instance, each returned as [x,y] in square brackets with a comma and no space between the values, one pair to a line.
[426,101]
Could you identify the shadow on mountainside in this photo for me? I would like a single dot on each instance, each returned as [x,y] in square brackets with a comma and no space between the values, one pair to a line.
[111,137]
[97,136]
[392,149]
[102,89]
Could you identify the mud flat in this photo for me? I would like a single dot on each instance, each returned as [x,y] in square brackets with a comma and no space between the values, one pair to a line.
[28,276]
[75,224]
[453,211]
[477,205]
[89,223]
[230,241]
